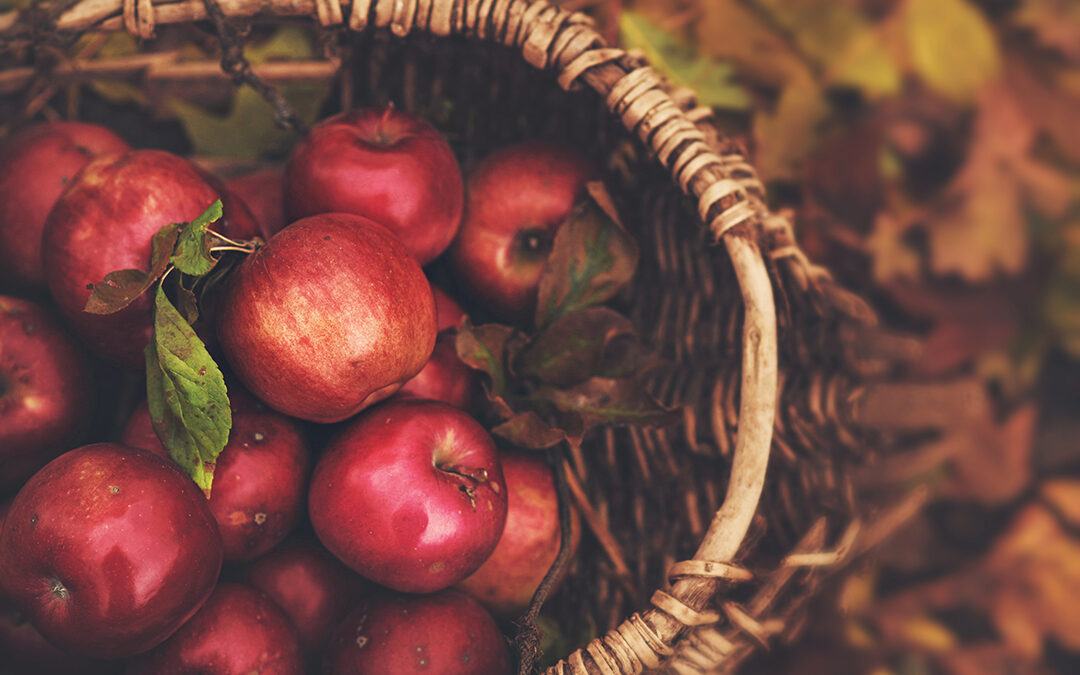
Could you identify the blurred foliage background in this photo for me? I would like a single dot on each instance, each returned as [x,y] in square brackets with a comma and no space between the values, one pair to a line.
[928,152]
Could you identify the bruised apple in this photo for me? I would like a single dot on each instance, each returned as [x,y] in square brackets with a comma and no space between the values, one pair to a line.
[384,164]
[108,550]
[239,631]
[36,166]
[331,316]
[410,495]
[447,633]
[259,480]
[105,221]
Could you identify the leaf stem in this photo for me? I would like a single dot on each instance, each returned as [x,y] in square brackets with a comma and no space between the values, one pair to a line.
[165,275]
[241,248]
[224,238]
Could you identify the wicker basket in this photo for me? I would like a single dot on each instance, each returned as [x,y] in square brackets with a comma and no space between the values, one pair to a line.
[754,333]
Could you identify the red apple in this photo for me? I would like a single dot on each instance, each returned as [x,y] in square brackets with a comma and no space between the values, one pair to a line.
[108,550]
[312,586]
[516,199]
[447,633]
[45,392]
[445,377]
[259,480]
[447,310]
[36,166]
[383,164]
[26,652]
[505,583]
[239,631]
[410,495]
[262,191]
[104,222]
[25,649]
[331,316]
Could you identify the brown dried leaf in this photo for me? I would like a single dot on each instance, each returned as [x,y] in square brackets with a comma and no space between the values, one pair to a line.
[601,400]
[1046,101]
[591,258]
[528,430]
[990,659]
[968,321]
[1056,24]
[572,348]
[120,288]
[979,225]
[1036,565]
[1027,583]
[991,463]
[486,348]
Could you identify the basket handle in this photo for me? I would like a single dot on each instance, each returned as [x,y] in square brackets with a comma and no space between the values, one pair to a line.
[552,38]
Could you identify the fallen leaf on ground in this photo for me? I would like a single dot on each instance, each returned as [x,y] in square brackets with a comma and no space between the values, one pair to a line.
[1026,584]
[978,226]
[1055,23]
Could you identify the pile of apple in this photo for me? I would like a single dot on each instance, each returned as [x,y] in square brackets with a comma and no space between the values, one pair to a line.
[385,549]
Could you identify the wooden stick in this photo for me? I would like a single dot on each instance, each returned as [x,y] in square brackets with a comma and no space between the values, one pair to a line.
[163,67]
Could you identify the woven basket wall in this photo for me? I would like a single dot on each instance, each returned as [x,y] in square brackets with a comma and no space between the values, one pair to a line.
[735,551]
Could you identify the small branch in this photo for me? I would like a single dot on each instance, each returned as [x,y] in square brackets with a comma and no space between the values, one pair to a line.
[236,65]
[527,640]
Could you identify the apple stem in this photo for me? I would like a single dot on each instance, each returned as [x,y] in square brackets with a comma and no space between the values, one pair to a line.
[478,475]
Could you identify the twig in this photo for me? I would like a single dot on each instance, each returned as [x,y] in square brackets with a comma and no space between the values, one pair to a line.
[236,65]
[527,640]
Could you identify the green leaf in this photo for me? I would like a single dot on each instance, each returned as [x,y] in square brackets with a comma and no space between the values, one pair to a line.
[712,80]
[952,46]
[572,348]
[591,259]
[606,401]
[186,394]
[121,287]
[192,254]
